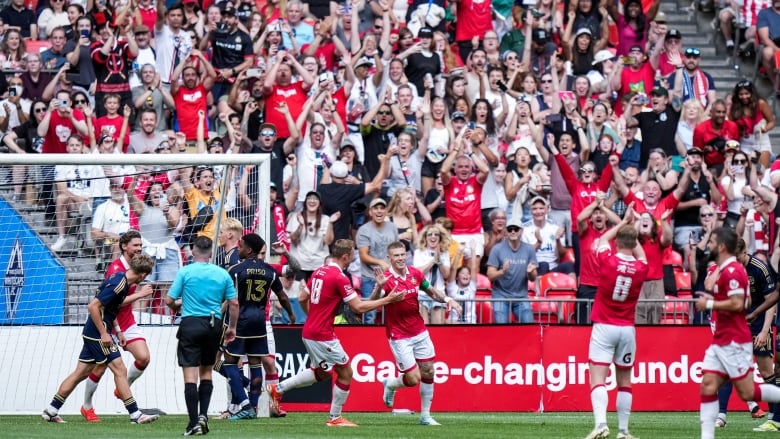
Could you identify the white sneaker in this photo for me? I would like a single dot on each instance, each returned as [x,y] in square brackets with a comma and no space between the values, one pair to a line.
[428,420]
[720,422]
[145,419]
[625,435]
[388,394]
[599,433]
[61,241]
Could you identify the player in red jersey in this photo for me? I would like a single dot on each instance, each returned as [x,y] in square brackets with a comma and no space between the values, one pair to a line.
[730,356]
[613,338]
[130,245]
[328,288]
[409,339]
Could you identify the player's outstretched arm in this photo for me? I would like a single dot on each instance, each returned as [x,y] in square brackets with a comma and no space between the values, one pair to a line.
[362,306]
[442,298]
[610,234]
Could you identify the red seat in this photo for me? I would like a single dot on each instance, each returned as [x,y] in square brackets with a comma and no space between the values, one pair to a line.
[673,258]
[484,311]
[545,311]
[556,282]
[673,321]
[566,309]
[37,46]
[683,281]
[531,288]
[483,284]
[568,256]
[676,309]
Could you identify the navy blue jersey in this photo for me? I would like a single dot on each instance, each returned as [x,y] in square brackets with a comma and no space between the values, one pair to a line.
[762,283]
[227,259]
[254,280]
[111,293]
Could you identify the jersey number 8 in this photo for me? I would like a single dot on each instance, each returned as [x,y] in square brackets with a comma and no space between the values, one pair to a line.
[622,285]
[316,290]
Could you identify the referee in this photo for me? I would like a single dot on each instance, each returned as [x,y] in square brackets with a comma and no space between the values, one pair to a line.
[199,290]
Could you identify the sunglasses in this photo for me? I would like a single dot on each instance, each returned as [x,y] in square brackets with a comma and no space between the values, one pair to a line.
[40,110]
[546,81]
[740,162]
[692,53]
[79,101]
[429,234]
[267,133]
[587,170]
[513,229]
[743,84]
[383,113]
[707,215]
[317,132]
[213,144]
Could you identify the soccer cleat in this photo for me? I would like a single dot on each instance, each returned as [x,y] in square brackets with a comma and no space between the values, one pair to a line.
[245,413]
[197,430]
[89,414]
[145,419]
[203,421]
[625,435]
[757,413]
[48,417]
[388,394]
[428,420]
[340,422]
[599,433]
[767,426]
[274,395]
[272,412]
[720,422]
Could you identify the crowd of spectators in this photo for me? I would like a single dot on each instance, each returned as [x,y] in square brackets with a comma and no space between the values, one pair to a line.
[490,137]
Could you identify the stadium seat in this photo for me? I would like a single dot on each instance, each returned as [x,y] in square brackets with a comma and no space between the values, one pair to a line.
[673,321]
[483,283]
[484,310]
[676,309]
[568,256]
[674,259]
[545,311]
[556,282]
[682,280]
[566,308]
[37,46]
[531,288]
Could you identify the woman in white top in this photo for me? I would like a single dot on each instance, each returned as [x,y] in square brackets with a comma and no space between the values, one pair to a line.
[692,113]
[433,259]
[735,183]
[311,232]
[516,185]
[436,143]
[52,17]
[462,286]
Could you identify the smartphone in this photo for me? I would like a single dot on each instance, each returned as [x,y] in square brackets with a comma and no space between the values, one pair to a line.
[63,103]
[554,118]
[85,33]
[253,73]
[323,77]
[502,86]
[643,100]
[12,91]
[471,125]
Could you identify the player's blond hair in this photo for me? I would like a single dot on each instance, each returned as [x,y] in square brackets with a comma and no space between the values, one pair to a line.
[626,237]
[233,225]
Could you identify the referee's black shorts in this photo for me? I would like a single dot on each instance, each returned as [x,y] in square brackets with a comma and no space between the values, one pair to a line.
[198,341]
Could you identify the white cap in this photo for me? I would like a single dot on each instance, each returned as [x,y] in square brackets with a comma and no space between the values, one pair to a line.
[601,56]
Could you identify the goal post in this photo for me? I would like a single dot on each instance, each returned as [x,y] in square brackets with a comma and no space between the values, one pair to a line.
[45,292]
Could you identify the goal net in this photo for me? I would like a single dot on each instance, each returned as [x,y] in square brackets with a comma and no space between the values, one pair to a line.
[61,216]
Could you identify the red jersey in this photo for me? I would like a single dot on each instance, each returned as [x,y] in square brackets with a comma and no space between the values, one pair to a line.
[340,101]
[403,319]
[295,97]
[188,103]
[639,81]
[582,194]
[703,134]
[654,250]
[112,127]
[730,326]
[328,287]
[474,18]
[60,128]
[464,205]
[621,282]
[125,318]
[589,265]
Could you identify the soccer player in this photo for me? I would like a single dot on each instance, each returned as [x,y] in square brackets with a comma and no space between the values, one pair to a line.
[100,347]
[409,340]
[613,337]
[254,280]
[729,356]
[130,245]
[760,316]
[329,287]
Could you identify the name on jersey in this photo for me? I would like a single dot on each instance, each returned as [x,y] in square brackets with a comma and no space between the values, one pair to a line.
[256,271]
[626,268]
[237,46]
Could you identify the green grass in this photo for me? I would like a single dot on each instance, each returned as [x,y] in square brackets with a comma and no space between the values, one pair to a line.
[383,426]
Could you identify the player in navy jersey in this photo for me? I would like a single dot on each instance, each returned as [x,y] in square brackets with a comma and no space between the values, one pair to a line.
[613,337]
[409,339]
[100,347]
[329,289]
[729,357]
[760,317]
[254,281]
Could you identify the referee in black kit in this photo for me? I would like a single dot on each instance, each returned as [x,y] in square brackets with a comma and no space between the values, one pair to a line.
[199,290]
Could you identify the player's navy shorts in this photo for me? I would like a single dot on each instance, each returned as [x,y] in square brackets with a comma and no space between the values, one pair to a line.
[93,352]
[766,349]
[249,346]
[198,341]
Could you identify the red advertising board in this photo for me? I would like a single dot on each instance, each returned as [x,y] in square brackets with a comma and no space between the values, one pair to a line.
[518,368]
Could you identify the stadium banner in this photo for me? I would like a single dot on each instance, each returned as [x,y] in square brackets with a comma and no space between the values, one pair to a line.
[33,279]
[478,368]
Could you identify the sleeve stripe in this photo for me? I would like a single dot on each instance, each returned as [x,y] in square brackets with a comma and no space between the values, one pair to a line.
[738,291]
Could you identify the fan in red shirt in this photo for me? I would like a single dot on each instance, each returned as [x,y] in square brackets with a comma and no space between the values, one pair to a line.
[730,356]
[715,127]
[191,96]
[329,287]
[409,339]
[130,335]
[613,338]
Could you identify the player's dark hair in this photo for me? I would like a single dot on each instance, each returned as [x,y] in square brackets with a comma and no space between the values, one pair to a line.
[394,245]
[741,246]
[142,264]
[202,246]
[728,237]
[626,237]
[127,237]
[342,247]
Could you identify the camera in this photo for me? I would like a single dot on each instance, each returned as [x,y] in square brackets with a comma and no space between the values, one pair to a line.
[63,103]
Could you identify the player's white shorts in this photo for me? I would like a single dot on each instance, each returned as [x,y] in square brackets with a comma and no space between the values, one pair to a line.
[269,336]
[325,354]
[734,360]
[408,351]
[612,343]
[132,334]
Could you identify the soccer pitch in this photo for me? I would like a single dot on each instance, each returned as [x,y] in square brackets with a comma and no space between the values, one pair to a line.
[667,425]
